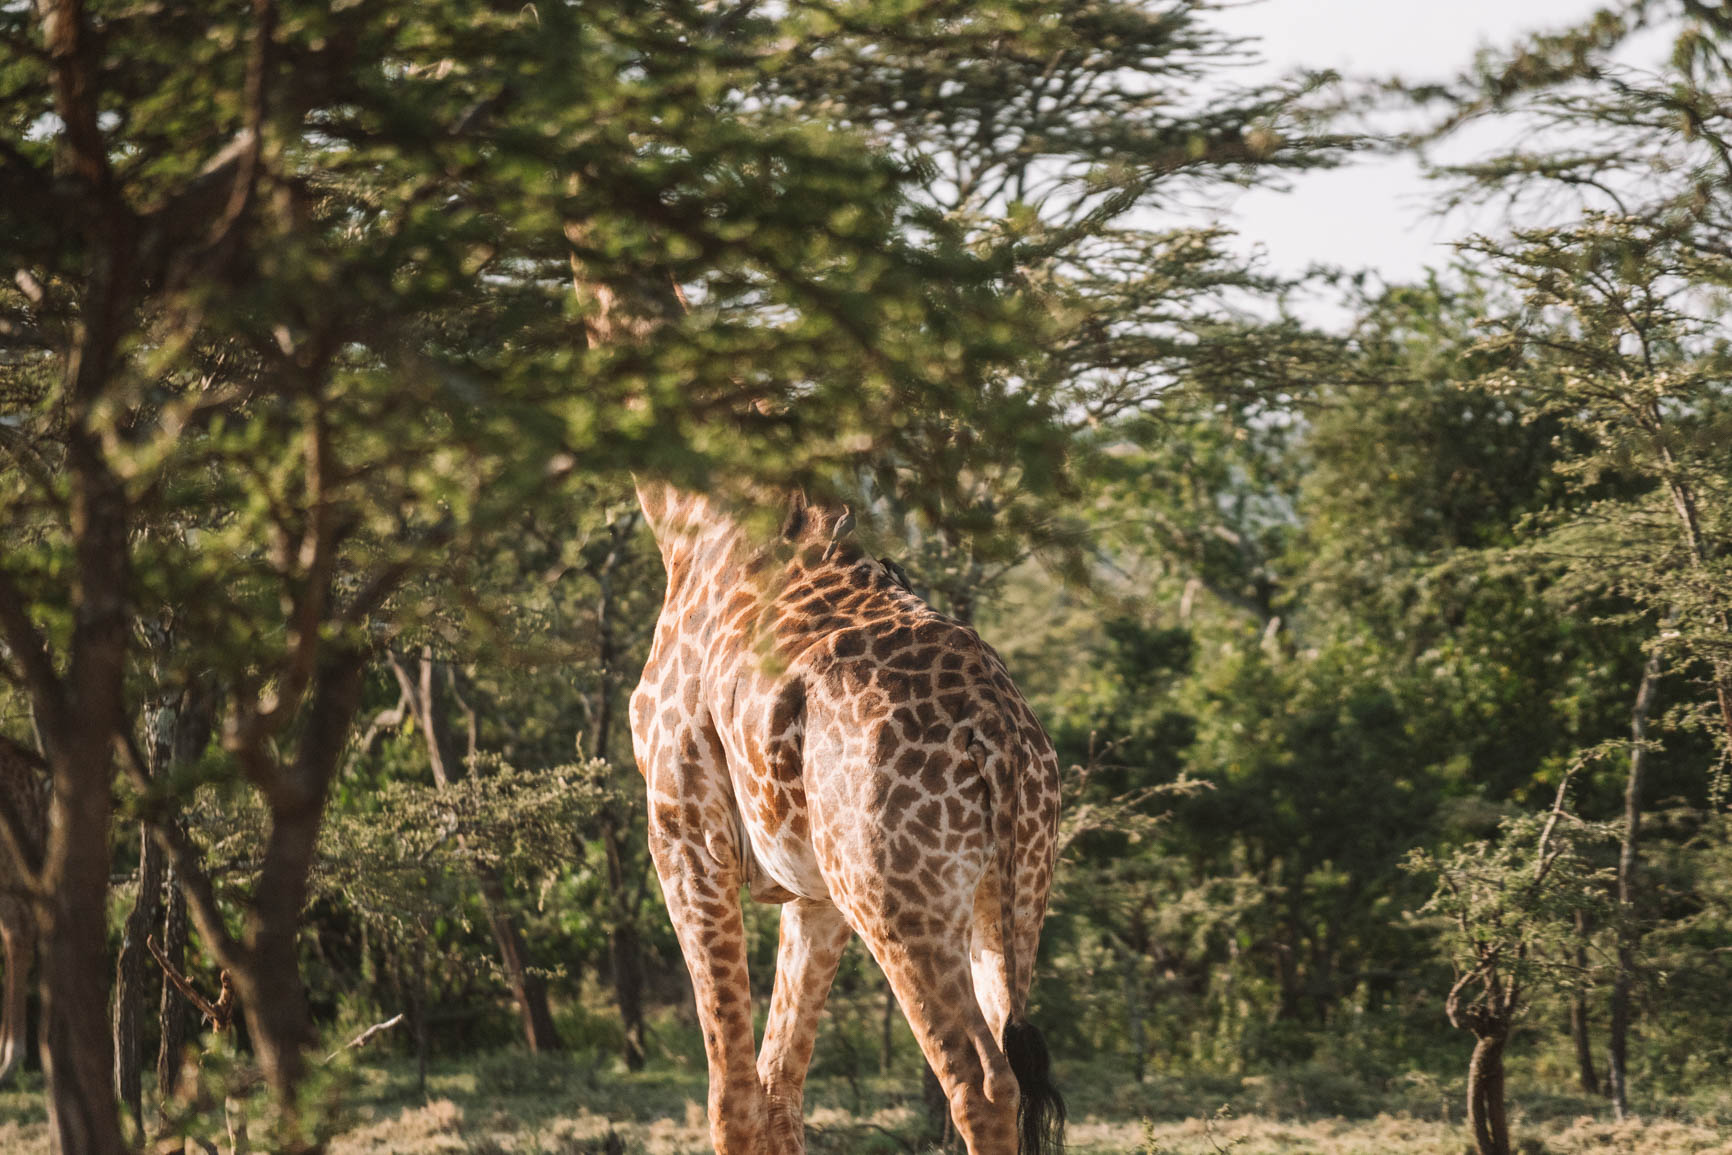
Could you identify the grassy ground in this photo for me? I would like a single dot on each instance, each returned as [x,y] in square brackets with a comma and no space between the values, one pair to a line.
[510,1102]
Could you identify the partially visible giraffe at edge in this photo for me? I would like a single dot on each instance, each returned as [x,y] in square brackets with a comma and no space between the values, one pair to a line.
[809,728]
[24,797]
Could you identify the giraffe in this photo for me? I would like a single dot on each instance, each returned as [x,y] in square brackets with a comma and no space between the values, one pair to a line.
[811,730]
[24,810]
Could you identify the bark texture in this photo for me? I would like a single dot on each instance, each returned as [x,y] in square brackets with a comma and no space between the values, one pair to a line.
[1485,1094]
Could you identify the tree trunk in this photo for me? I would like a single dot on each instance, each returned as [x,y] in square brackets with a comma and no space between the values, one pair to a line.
[80,726]
[528,989]
[418,1010]
[81,714]
[194,716]
[18,940]
[132,977]
[77,1056]
[77,1051]
[173,1008]
[939,1124]
[1485,1094]
[266,969]
[269,979]
[888,1028]
[135,968]
[1585,1073]
[625,955]
[1132,987]
[625,945]
[1617,1043]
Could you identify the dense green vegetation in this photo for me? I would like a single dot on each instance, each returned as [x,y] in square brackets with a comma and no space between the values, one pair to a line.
[1392,665]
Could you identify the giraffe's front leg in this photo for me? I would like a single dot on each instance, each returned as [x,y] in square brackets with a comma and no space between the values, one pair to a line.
[693,842]
[810,948]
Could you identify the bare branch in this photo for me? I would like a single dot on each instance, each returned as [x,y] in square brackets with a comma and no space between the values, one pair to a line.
[221,1013]
[365,1036]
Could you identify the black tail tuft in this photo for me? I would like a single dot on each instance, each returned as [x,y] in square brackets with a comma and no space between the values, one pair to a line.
[1040,1114]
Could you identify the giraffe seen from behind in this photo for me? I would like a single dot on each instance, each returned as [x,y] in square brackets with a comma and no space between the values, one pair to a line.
[811,730]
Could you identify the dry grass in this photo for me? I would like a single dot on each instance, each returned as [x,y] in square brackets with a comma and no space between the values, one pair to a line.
[441,1126]
[515,1105]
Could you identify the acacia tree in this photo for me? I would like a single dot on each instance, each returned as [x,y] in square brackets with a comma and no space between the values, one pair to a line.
[562,612]
[1069,140]
[285,280]
[424,695]
[1617,340]
[1616,333]
[1508,909]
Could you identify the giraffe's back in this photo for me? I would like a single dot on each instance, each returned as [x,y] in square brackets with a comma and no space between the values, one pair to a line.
[866,767]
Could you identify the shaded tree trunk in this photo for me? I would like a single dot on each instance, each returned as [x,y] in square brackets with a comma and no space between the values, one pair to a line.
[625,943]
[81,713]
[266,969]
[888,1029]
[18,944]
[528,990]
[1617,1042]
[939,1125]
[1485,1093]
[194,716]
[132,977]
[83,717]
[173,1009]
[269,983]
[626,958]
[179,728]
[77,1052]
[135,970]
[1132,987]
[1586,1075]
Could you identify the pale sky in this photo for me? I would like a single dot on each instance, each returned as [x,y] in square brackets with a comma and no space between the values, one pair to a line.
[1374,214]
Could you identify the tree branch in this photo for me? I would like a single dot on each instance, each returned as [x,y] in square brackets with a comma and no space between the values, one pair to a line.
[365,1036]
[221,1013]
[47,691]
[195,884]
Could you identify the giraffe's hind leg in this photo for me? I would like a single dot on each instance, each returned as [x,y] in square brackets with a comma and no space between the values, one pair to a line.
[813,938]
[925,956]
[694,843]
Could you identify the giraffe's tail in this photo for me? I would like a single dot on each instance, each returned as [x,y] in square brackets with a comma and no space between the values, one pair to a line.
[1040,1113]
[1040,1110]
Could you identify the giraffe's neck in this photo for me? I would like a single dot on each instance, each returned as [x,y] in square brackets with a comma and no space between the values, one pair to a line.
[702,542]
[673,514]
